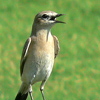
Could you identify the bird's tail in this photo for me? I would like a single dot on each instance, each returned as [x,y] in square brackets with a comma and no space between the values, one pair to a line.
[23,92]
[21,96]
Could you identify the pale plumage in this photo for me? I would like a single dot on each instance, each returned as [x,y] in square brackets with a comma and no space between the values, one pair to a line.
[38,55]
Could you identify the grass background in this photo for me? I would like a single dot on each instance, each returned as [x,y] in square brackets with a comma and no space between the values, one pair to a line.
[76,73]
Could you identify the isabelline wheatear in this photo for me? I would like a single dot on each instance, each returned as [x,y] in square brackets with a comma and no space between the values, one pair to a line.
[38,55]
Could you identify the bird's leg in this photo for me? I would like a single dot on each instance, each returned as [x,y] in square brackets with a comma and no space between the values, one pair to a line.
[30,89]
[42,88]
[31,95]
[30,92]
[42,94]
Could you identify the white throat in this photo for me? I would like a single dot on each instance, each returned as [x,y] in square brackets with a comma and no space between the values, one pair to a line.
[40,31]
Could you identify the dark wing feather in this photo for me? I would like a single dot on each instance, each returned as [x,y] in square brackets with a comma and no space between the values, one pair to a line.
[24,54]
[56,46]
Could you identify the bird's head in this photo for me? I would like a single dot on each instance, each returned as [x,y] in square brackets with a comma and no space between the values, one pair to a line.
[47,18]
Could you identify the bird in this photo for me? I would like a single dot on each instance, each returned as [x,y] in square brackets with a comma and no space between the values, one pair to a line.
[39,53]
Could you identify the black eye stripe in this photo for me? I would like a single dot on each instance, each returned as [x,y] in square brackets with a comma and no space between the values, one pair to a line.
[45,16]
[52,18]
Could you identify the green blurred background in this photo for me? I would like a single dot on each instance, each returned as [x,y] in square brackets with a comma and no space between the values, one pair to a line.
[76,73]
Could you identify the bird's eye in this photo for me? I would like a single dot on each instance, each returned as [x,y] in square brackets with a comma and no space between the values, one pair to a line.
[45,16]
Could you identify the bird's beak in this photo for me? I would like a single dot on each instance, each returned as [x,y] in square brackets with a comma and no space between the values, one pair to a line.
[58,15]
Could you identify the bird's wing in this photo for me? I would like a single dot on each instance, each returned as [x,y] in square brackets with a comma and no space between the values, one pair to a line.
[24,54]
[56,46]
